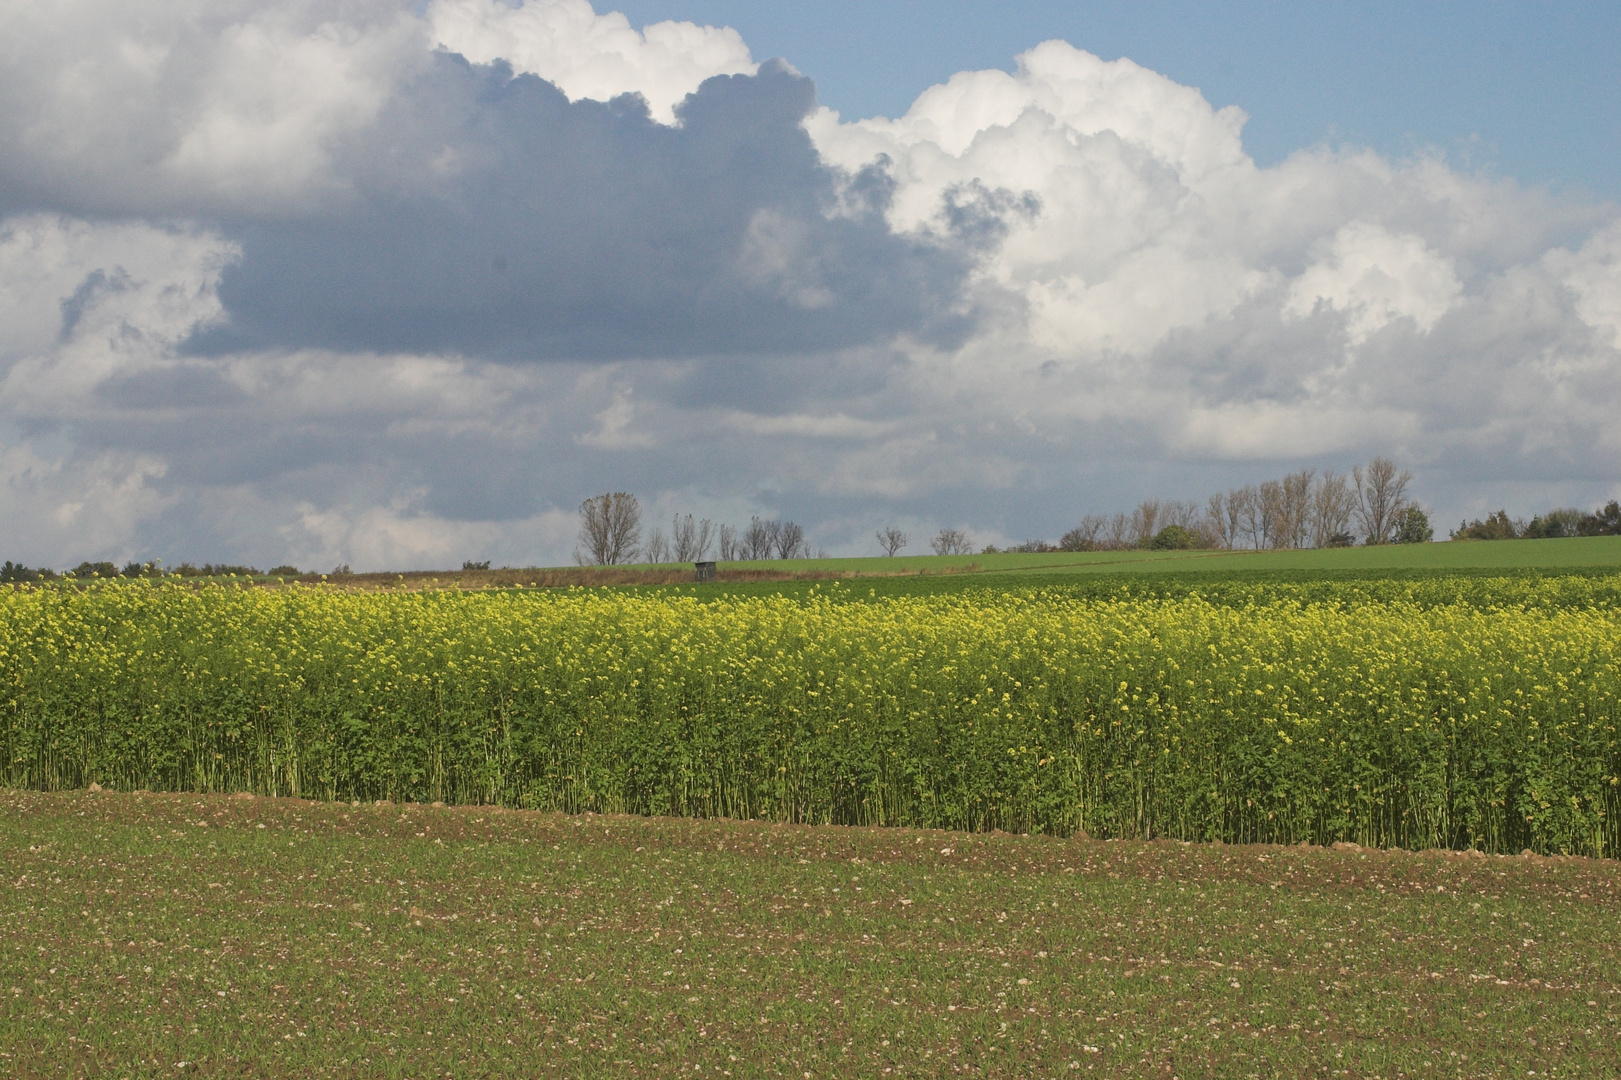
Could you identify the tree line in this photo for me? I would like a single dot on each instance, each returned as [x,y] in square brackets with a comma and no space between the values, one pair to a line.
[1304,509]
[1565,521]
[16,573]
[611,535]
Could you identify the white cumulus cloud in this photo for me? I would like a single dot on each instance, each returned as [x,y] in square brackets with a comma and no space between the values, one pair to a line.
[1375,276]
[193,106]
[77,507]
[398,535]
[1166,299]
[589,55]
[81,303]
[1593,275]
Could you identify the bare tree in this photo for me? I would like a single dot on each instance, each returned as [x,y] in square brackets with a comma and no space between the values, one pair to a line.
[891,539]
[729,548]
[1331,504]
[790,540]
[1273,515]
[1119,531]
[1255,521]
[1298,510]
[1182,514]
[1217,525]
[683,536]
[759,539]
[1083,537]
[657,548]
[691,539]
[1381,494]
[610,529]
[1144,520]
[951,542]
[1243,515]
[1295,522]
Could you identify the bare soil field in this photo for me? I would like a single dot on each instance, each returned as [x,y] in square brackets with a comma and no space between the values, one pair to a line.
[165,935]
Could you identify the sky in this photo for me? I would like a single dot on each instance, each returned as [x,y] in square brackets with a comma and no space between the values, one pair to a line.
[397,284]
[1524,90]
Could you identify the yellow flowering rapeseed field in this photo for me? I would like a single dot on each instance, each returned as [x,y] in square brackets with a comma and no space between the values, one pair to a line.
[1381,721]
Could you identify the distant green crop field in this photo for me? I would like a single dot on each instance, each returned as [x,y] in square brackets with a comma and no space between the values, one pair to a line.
[1560,589]
[1583,551]
[1482,573]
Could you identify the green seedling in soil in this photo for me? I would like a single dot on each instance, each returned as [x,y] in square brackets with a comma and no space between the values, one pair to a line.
[164,935]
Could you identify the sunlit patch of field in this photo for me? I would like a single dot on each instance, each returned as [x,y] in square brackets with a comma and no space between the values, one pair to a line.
[164,935]
[1013,569]
[1569,552]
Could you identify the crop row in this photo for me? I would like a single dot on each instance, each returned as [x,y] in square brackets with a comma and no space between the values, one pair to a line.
[1387,723]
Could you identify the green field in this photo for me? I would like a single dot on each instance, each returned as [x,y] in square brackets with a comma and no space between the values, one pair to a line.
[158,936]
[1584,551]
[1590,554]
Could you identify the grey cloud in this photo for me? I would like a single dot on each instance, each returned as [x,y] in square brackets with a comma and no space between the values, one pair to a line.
[490,216]
[169,388]
[95,285]
[981,216]
[228,107]
[782,384]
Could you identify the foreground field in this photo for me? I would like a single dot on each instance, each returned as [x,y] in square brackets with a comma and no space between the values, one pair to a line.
[163,935]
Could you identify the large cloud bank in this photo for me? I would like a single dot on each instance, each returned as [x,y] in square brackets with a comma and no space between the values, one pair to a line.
[345,280]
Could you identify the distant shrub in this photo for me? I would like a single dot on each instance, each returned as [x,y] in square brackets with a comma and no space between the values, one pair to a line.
[1498,526]
[284,571]
[1174,538]
[95,569]
[186,569]
[1555,524]
[1412,527]
[1605,522]
[471,565]
[1566,521]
